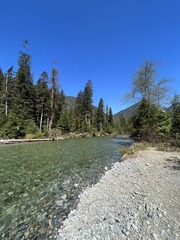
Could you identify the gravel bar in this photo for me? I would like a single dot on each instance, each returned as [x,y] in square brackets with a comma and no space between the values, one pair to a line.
[139,198]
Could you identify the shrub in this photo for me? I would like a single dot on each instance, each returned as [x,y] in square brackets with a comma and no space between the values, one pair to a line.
[34,136]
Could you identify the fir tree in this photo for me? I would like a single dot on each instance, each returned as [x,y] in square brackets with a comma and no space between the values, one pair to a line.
[176,116]
[61,105]
[100,115]
[54,97]
[87,103]
[1,81]
[79,111]
[42,100]
[151,123]
[24,89]
[110,117]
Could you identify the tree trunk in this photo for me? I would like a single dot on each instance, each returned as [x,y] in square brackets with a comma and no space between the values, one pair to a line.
[41,120]
[50,124]
[6,90]
[101,128]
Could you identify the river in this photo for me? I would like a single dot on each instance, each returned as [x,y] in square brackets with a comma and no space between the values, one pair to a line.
[40,182]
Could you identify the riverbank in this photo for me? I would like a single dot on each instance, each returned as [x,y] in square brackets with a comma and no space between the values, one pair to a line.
[137,199]
[57,138]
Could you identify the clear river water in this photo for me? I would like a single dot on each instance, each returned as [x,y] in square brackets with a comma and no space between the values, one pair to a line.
[40,182]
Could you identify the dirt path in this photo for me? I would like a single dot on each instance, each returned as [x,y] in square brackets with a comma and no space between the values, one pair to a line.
[138,198]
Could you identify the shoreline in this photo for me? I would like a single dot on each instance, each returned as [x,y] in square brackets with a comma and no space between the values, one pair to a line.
[136,199]
[59,138]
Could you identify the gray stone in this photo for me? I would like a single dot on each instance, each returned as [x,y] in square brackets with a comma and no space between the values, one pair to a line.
[155,237]
[59,202]
[64,197]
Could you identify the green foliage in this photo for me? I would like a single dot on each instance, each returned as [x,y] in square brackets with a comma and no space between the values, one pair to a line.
[84,109]
[34,136]
[37,110]
[24,98]
[64,124]
[12,128]
[54,99]
[42,100]
[110,129]
[110,117]
[30,126]
[100,116]
[151,123]
[87,102]
[15,127]
[176,116]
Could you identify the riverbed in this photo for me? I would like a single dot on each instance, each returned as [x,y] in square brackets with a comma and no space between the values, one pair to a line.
[40,182]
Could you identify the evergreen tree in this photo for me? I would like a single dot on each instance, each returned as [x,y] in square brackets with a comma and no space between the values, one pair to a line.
[176,116]
[151,123]
[54,97]
[87,103]
[107,116]
[42,100]
[110,117]
[61,104]
[163,124]
[79,111]
[100,115]
[24,89]
[72,120]
[63,123]
[2,115]
[1,81]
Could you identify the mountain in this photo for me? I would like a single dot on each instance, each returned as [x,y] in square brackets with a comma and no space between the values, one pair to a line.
[134,109]
[128,111]
[70,101]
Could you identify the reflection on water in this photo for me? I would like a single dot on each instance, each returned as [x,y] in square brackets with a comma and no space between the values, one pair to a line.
[40,182]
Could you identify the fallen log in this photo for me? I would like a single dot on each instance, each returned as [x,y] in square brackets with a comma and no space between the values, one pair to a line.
[13,141]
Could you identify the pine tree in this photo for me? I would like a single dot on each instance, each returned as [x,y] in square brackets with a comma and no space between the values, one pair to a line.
[72,120]
[79,111]
[176,116]
[100,115]
[24,88]
[2,115]
[1,81]
[54,97]
[61,105]
[87,103]
[151,124]
[63,123]
[110,118]
[42,100]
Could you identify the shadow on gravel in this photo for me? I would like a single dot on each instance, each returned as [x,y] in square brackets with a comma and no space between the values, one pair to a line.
[173,163]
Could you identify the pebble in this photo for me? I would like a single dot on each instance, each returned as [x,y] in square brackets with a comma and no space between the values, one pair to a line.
[122,207]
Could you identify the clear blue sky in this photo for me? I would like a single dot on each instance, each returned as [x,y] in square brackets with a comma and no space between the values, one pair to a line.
[101,40]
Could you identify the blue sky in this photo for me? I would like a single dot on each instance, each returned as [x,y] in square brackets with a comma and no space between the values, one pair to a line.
[101,40]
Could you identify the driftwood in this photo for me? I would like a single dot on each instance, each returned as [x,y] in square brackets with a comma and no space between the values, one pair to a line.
[13,141]
[63,137]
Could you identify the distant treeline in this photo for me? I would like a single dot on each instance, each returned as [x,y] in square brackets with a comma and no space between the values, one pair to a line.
[37,110]
[41,110]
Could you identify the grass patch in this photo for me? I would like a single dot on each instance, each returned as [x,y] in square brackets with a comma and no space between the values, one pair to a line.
[133,149]
[140,146]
